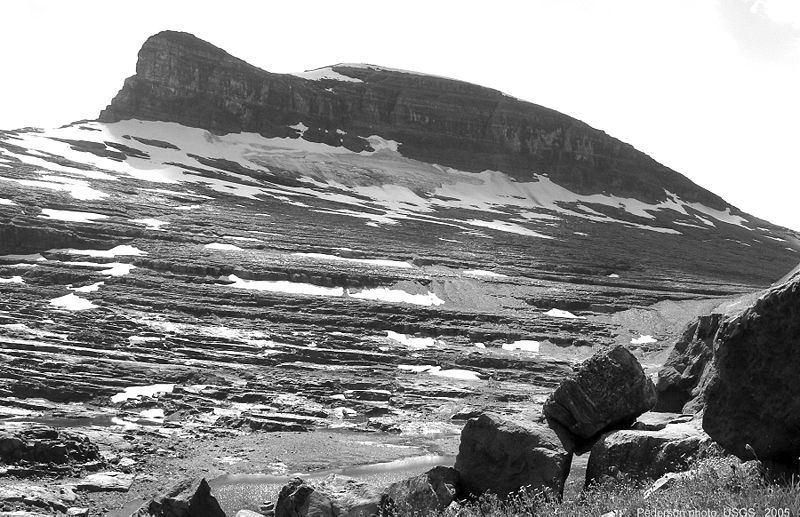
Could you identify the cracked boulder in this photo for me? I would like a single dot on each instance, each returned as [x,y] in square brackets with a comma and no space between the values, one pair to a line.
[332,497]
[637,454]
[427,494]
[503,456]
[608,390]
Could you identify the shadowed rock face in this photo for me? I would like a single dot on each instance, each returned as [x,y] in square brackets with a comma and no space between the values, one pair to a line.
[740,368]
[752,398]
[180,78]
[680,378]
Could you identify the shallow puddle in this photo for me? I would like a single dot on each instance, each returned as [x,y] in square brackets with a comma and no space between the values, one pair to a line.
[248,491]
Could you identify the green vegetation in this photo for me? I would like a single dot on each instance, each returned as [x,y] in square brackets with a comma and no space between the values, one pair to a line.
[716,487]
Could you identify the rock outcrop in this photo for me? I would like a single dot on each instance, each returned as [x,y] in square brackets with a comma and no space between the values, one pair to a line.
[333,497]
[502,457]
[608,390]
[679,379]
[638,455]
[188,498]
[426,494]
[45,445]
[752,397]
[180,78]
[739,367]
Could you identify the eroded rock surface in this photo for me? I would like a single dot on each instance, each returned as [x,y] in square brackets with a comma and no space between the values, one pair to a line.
[609,389]
[639,454]
[188,498]
[426,494]
[752,398]
[503,456]
[332,497]
[45,449]
[679,379]
[737,367]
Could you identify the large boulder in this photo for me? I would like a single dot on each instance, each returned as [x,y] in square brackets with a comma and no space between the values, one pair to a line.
[679,380]
[502,457]
[188,498]
[646,454]
[426,494]
[333,497]
[610,389]
[45,445]
[752,393]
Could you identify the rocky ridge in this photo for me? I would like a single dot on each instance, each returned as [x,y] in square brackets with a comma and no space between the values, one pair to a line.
[181,78]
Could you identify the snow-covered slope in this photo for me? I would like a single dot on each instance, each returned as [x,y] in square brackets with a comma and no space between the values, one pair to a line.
[378,186]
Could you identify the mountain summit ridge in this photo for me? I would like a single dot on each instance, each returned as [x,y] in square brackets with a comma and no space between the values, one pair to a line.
[184,79]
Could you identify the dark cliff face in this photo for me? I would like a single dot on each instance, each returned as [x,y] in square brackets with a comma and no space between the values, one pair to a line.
[180,78]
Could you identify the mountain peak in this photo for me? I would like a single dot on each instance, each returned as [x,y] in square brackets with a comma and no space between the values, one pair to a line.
[181,78]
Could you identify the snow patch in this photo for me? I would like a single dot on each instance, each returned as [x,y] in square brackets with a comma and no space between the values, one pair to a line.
[558,313]
[78,189]
[379,143]
[482,272]
[326,73]
[7,202]
[643,340]
[282,286]
[222,246]
[71,216]
[71,302]
[507,227]
[151,391]
[141,340]
[117,269]
[397,296]
[411,342]
[12,280]
[123,250]
[465,375]
[152,414]
[524,344]
[300,127]
[33,256]
[152,224]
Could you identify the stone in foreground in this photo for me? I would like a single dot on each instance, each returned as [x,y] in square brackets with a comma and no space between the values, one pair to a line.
[426,494]
[188,498]
[335,496]
[608,390]
[502,457]
[752,395]
[639,455]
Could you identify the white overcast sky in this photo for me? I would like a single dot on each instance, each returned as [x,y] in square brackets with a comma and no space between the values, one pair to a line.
[710,88]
